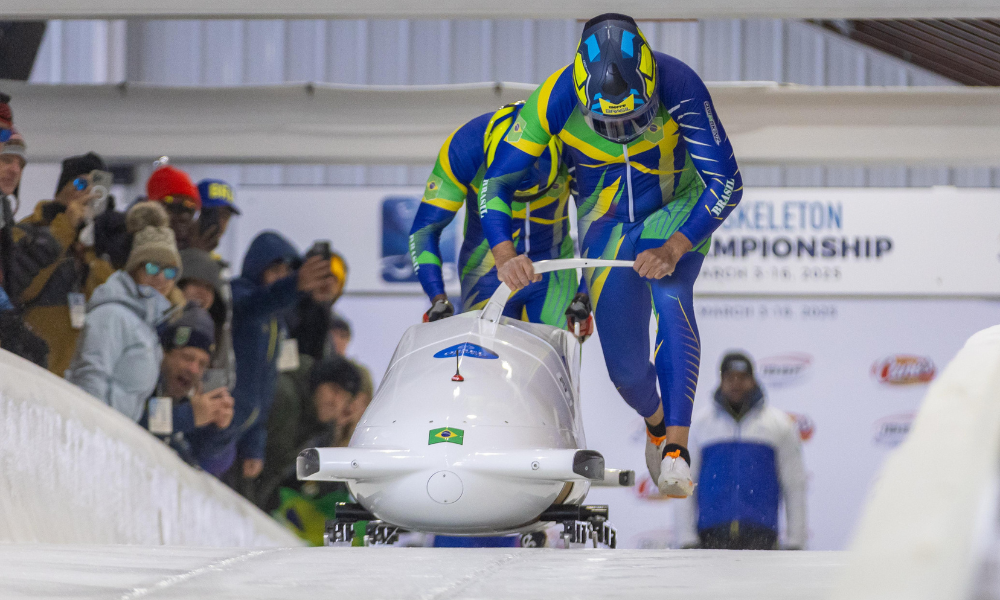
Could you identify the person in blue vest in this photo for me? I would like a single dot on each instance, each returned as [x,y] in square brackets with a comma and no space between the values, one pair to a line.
[746,458]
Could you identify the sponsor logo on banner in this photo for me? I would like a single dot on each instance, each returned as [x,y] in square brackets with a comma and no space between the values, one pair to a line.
[783,370]
[904,369]
[466,349]
[397,217]
[804,424]
[892,430]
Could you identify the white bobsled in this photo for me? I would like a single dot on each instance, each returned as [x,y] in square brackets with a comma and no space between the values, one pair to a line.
[475,429]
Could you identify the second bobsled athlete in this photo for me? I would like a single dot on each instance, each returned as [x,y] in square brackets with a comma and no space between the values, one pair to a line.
[656,176]
[540,218]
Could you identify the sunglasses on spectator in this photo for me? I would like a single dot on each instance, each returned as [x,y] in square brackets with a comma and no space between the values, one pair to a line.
[81,183]
[153,269]
[5,134]
[180,201]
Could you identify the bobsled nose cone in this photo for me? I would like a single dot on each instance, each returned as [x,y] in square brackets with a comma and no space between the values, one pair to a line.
[445,487]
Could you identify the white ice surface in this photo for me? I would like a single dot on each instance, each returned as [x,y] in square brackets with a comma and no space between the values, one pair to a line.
[128,572]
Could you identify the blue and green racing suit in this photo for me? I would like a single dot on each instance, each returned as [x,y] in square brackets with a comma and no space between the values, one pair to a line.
[540,224]
[680,175]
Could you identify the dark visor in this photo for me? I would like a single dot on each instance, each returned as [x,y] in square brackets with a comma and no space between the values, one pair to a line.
[625,128]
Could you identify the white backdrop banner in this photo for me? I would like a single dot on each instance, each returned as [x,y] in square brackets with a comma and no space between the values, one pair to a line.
[937,241]
[858,241]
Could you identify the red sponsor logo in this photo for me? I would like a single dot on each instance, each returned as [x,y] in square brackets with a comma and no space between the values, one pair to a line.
[805,425]
[647,489]
[904,369]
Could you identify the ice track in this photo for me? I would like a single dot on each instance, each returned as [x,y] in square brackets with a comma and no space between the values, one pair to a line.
[128,572]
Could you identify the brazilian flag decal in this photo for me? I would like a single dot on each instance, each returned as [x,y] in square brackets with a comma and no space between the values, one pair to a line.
[452,435]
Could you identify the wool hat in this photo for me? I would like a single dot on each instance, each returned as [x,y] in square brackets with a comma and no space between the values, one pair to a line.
[200,265]
[337,370]
[167,183]
[75,166]
[216,193]
[194,329]
[15,146]
[736,362]
[153,240]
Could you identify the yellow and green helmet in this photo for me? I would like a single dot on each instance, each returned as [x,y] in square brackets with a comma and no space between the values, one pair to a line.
[614,74]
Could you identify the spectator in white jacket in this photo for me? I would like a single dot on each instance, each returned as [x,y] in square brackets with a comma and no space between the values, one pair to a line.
[746,459]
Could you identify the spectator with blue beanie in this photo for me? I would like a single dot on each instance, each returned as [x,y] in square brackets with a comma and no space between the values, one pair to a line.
[746,457]
[181,412]
[217,208]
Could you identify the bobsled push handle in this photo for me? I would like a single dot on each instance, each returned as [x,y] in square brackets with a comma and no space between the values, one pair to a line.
[494,308]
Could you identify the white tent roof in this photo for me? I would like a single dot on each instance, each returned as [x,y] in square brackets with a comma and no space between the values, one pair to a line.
[768,123]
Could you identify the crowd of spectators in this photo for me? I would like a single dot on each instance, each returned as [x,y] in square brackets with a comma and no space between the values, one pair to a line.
[134,306]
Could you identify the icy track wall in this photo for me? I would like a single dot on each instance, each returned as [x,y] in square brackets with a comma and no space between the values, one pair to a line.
[933,510]
[73,470]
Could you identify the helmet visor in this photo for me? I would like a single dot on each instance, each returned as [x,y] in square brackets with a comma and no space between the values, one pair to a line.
[624,128]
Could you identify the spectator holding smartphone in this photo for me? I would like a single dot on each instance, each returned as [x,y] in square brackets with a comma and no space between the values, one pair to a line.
[273,279]
[118,356]
[53,273]
[181,412]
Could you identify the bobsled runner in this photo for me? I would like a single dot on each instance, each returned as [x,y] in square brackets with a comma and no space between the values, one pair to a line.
[475,430]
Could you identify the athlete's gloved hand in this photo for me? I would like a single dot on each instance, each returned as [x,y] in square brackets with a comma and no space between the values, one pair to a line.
[580,314]
[439,310]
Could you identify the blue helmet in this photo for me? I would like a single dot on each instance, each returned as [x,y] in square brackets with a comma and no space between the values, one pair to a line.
[543,174]
[615,78]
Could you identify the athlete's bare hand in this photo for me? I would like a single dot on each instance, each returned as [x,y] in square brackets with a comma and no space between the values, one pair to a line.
[517,271]
[657,263]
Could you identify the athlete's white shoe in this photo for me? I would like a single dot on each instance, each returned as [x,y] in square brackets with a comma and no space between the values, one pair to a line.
[654,455]
[675,476]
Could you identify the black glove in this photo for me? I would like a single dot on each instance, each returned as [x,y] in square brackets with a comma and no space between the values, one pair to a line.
[579,311]
[439,310]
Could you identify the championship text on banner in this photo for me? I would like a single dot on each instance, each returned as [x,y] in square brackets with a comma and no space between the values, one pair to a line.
[937,241]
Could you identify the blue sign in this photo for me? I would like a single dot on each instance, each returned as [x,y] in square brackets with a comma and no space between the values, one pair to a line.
[467,349]
[397,218]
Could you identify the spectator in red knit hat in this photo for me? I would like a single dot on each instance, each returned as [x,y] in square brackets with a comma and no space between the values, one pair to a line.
[174,189]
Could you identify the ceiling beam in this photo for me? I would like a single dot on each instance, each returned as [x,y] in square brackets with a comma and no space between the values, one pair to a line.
[476,9]
[768,123]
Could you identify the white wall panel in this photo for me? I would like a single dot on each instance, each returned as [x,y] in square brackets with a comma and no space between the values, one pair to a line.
[305,53]
[438,51]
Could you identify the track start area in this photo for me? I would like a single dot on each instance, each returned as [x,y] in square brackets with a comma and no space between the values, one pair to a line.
[128,572]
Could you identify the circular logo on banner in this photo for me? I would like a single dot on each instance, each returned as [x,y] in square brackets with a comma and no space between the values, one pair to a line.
[904,369]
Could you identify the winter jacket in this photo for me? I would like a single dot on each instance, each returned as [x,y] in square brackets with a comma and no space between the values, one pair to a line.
[258,333]
[744,468]
[45,268]
[119,354]
[291,422]
[187,440]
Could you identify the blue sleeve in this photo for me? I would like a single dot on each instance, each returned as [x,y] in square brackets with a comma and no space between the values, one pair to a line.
[687,100]
[457,164]
[543,116]
[257,301]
